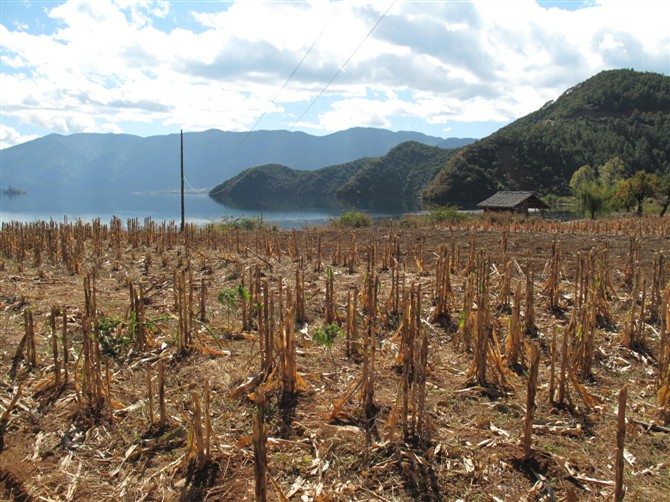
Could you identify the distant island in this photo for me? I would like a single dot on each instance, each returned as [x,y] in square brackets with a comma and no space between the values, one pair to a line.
[14,191]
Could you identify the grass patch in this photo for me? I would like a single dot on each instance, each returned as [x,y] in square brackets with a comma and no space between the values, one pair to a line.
[441,214]
[354,219]
[241,223]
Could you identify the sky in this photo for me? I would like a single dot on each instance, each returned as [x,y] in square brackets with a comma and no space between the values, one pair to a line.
[447,68]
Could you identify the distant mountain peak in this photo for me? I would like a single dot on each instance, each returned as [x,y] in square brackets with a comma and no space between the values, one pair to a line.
[129,163]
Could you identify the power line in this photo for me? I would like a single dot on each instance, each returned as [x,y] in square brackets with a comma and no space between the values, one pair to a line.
[374,27]
[346,62]
[274,100]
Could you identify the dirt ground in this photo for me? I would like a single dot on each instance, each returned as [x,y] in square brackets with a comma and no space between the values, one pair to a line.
[58,446]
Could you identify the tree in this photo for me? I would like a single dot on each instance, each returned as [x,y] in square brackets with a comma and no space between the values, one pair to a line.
[641,186]
[622,197]
[581,177]
[663,193]
[590,191]
[593,197]
[612,171]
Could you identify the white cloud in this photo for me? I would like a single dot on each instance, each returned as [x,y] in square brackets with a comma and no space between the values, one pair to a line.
[109,62]
[10,137]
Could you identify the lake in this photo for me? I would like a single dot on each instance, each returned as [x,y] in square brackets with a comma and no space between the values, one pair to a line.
[199,209]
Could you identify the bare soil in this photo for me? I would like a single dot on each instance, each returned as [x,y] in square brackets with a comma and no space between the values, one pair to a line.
[56,447]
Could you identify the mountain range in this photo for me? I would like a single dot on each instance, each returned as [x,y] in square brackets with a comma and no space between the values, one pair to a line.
[616,113]
[126,163]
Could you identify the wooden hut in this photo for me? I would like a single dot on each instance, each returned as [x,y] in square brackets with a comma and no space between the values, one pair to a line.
[513,202]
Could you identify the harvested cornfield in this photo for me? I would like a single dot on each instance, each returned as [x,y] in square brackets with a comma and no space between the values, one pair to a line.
[481,360]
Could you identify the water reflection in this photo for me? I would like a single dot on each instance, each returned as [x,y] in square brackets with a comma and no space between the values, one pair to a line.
[390,207]
[200,208]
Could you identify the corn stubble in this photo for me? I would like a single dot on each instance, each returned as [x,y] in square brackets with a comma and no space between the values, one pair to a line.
[400,303]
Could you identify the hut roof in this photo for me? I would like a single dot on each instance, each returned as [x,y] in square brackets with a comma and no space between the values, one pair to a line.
[512,200]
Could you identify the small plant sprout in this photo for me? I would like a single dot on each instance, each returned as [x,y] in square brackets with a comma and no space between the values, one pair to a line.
[229,298]
[326,335]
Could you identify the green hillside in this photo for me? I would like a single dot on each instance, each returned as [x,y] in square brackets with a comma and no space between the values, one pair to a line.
[617,113]
[401,174]
[277,185]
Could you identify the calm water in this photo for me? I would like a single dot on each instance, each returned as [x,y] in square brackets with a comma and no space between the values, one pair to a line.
[200,209]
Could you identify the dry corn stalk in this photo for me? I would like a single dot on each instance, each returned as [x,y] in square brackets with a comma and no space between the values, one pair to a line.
[472,255]
[162,409]
[466,325]
[352,323]
[419,417]
[634,327]
[265,331]
[620,440]
[330,316]
[300,311]
[443,294]
[150,396]
[369,342]
[486,341]
[139,333]
[26,344]
[66,375]
[530,399]
[407,357]
[54,345]
[4,418]
[29,329]
[632,261]
[584,340]
[655,295]
[529,312]
[202,316]
[287,347]
[197,438]
[90,378]
[260,436]
[664,363]
[483,329]
[505,288]
[568,335]
[353,256]
[318,263]
[552,374]
[208,421]
[184,310]
[552,288]
[513,352]
[392,305]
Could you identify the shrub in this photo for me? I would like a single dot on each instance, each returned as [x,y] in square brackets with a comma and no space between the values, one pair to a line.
[355,219]
[230,223]
[440,214]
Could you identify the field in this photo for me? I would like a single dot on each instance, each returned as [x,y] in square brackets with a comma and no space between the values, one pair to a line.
[480,360]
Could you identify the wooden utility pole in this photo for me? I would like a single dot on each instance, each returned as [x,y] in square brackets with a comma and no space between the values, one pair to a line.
[181,133]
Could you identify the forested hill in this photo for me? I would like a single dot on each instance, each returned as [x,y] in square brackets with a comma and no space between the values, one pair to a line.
[276,185]
[617,113]
[402,173]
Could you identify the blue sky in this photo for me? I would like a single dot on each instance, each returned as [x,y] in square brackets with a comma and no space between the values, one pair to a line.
[453,68]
